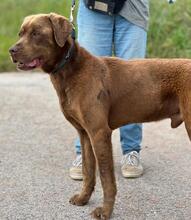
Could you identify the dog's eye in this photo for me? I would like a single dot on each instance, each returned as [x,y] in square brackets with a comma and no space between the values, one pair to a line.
[21,33]
[35,33]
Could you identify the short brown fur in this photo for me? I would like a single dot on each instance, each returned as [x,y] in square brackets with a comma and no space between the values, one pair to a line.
[99,94]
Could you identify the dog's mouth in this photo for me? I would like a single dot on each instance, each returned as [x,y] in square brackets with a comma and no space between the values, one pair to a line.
[35,63]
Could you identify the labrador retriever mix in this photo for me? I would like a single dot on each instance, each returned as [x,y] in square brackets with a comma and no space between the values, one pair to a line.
[100,94]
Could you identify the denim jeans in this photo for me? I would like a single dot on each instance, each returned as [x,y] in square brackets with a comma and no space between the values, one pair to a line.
[105,35]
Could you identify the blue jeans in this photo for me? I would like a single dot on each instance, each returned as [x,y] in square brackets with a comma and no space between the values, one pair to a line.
[105,35]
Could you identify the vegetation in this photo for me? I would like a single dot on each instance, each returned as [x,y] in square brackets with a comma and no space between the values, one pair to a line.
[170,29]
[169,32]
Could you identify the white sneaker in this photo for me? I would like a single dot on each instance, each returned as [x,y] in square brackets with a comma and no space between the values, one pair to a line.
[131,166]
[76,169]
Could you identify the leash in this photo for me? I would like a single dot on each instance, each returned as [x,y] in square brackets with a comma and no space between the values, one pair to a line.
[72,11]
[68,56]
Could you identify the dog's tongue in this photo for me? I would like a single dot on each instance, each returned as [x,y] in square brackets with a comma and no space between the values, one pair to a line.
[34,63]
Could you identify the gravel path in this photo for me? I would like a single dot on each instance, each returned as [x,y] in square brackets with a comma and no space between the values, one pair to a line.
[37,148]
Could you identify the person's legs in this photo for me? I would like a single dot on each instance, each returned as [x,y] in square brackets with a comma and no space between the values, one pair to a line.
[95,33]
[129,39]
[130,42]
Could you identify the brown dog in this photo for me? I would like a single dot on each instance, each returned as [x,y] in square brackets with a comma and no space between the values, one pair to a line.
[98,94]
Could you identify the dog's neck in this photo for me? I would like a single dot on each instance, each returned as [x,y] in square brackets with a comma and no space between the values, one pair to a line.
[71,49]
[72,68]
[67,54]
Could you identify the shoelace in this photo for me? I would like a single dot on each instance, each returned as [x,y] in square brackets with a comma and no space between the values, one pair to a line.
[78,161]
[131,158]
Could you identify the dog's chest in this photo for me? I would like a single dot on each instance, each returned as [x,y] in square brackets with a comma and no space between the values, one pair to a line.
[67,102]
[65,94]
[68,95]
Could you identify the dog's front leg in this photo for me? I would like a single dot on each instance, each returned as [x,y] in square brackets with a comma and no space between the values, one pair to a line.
[88,169]
[101,141]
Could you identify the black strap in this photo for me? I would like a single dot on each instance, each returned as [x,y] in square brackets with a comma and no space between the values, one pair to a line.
[68,56]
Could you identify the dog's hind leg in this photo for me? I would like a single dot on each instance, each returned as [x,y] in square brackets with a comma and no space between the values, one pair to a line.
[188,127]
[187,122]
[185,108]
[88,169]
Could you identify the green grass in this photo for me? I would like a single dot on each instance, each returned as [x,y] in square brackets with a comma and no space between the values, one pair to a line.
[169,33]
[170,29]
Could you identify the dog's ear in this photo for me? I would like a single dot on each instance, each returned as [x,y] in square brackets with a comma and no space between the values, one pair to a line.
[61,28]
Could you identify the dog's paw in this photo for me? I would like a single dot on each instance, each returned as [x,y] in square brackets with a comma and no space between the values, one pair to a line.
[100,213]
[78,200]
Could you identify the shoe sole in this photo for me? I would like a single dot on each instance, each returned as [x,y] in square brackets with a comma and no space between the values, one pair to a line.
[131,175]
[76,177]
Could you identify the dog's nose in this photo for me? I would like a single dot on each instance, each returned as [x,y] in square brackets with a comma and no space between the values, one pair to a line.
[13,50]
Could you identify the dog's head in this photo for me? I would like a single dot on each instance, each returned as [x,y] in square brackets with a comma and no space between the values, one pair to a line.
[41,40]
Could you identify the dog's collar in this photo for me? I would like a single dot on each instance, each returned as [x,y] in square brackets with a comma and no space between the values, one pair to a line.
[67,57]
